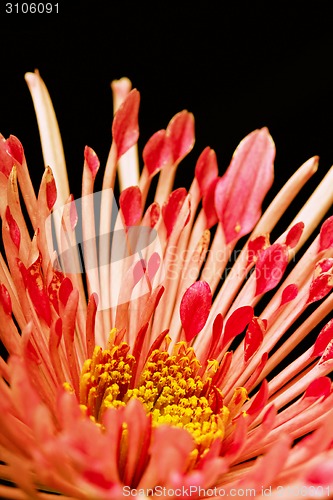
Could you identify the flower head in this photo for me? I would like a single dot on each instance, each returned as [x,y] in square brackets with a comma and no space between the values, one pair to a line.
[162,343]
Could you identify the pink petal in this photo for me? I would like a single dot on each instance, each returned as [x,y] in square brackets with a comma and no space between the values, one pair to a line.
[206,169]
[241,191]
[130,202]
[321,475]
[194,308]
[326,234]
[270,267]
[294,235]
[237,322]
[253,337]
[91,160]
[157,153]
[172,207]
[125,127]
[154,263]
[180,130]
[289,293]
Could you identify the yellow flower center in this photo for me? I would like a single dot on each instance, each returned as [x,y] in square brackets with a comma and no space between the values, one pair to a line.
[168,385]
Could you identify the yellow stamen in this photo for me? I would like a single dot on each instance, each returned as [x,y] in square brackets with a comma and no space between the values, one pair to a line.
[169,387]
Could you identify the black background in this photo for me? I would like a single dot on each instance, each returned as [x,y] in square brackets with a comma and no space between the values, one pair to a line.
[236,67]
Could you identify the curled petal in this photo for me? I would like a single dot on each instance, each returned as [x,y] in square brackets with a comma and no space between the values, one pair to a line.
[253,337]
[270,267]
[51,189]
[130,202]
[15,149]
[237,322]
[294,234]
[14,230]
[125,127]
[180,130]
[194,308]
[91,160]
[172,207]
[209,205]
[324,338]
[206,169]
[5,300]
[320,286]
[241,191]
[289,293]
[326,234]
[255,246]
[157,153]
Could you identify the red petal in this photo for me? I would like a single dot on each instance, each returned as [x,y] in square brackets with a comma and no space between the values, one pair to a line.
[326,234]
[320,287]
[33,281]
[208,204]
[125,127]
[157,153]
[180,130]
[130,202]
[194,308]
[260,400]
[325,336]
[65,290]
[327,354]
[241,191]
[90,324]
[91,160]
[5,300]
[289,293]
[153,213]
[319,388]
[253,337]
[15,149]
[51,190]
[6,162]
[270,267]
[206,169]
[294,234]
[216,337]
[172,207]
[237,322]
[255,246]
[14,230]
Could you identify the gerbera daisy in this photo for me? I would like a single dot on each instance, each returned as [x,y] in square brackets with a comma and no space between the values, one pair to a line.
[161,344]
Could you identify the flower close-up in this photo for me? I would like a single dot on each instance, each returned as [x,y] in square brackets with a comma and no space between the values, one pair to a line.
[159,340]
